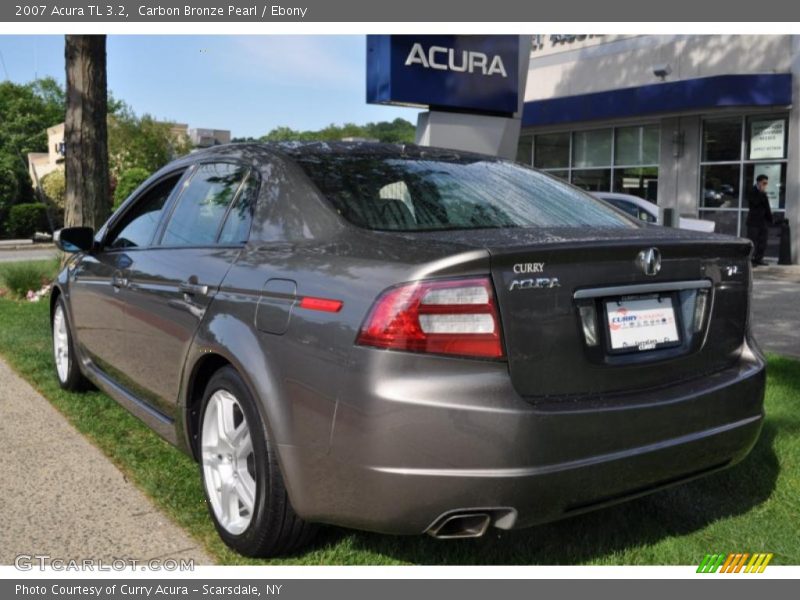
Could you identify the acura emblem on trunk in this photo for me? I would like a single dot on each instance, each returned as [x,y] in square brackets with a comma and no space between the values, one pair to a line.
[650,261]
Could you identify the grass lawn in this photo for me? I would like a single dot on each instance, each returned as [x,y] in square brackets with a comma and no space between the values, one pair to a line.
[752,507]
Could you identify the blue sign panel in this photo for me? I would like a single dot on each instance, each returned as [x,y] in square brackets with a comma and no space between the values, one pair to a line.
[465,73]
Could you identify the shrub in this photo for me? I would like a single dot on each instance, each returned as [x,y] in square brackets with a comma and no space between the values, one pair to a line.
[25,219]
[54,186]
[128,181]
[21,277]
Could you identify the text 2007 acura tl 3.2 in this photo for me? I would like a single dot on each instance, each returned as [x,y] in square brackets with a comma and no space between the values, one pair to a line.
[406,340]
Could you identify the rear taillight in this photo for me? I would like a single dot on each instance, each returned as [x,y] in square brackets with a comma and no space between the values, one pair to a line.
[456,316]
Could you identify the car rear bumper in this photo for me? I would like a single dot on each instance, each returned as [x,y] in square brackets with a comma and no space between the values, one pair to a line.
[409,449]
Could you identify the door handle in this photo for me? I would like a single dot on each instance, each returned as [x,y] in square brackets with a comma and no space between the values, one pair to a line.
[193,289]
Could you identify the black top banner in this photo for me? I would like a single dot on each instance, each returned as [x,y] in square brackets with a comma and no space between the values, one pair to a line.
[438,11]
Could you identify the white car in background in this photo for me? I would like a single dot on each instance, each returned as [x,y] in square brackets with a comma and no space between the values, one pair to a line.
[648,212]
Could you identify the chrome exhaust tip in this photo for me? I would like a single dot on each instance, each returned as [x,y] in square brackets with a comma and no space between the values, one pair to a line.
[461,525]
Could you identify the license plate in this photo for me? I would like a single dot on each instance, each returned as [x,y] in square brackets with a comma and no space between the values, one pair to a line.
[641,324]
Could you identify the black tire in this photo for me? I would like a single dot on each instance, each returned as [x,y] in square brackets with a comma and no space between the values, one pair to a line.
[71,378]
[274,528]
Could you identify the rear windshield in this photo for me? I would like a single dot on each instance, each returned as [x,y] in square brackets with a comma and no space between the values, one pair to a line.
[419,194]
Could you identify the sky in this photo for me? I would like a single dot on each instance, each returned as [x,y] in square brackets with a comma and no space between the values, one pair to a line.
[247,84]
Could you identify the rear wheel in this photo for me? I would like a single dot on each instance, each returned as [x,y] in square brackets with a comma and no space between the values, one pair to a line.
[67,369]
[244,488]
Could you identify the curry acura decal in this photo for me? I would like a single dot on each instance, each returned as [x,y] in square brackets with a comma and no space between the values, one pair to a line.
[534,282]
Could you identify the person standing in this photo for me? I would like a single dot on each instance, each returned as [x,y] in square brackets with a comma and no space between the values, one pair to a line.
[759,218]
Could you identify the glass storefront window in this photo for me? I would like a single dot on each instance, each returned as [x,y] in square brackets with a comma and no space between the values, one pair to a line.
[722,140]
[592,180]
[552,151]
[637,145]
[736,150]
[591,148]
[766,137]
[585,158]
[776,189]
[720,186]
[525,150]
[637,181]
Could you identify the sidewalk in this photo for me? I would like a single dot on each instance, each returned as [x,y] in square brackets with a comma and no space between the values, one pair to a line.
[60,496]
[776,271]
[776,309]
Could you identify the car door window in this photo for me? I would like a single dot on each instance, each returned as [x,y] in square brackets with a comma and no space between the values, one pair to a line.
[139,224]
[203,204]
[236,229]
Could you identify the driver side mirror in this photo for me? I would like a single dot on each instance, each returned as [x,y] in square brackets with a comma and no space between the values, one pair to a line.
[74,239]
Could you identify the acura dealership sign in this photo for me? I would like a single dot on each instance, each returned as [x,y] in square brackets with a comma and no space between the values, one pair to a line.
[465,73]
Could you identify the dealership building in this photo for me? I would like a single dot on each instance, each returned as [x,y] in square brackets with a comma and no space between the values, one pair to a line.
[685,121]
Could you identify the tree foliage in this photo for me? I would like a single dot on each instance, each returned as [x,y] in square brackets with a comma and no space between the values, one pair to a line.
[142,142]
[128,181]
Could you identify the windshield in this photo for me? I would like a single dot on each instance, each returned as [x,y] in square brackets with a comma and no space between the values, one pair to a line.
[418,194]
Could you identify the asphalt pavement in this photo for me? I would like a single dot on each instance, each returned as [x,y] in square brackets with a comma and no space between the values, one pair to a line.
[21,250]
[61,497]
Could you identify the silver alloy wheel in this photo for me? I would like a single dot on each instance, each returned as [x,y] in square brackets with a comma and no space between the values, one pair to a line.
[228,462]
[61,344]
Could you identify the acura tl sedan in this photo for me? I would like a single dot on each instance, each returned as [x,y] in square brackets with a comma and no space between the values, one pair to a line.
[408,340]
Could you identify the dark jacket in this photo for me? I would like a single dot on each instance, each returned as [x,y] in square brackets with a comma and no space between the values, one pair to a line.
[760,212]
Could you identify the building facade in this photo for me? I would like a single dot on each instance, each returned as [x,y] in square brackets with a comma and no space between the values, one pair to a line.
[42,163]
[687,122]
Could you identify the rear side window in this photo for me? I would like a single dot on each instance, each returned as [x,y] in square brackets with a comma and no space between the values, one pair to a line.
[237,225]
[139,224]
[417,194]
[203,205]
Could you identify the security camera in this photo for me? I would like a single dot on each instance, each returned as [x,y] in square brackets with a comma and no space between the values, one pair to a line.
[662,70]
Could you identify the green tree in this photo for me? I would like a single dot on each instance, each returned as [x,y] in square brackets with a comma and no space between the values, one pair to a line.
[397,131]
[26,111]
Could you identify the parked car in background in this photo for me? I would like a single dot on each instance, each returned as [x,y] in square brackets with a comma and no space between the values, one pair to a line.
[408,340]
[648,212]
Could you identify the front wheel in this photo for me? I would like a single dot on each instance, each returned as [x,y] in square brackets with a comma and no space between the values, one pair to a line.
[244,488]
[69,373]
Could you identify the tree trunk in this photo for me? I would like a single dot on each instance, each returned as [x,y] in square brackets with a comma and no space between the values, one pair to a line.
[85,132]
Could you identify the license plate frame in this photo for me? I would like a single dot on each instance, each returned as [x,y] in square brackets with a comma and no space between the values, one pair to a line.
[642,302]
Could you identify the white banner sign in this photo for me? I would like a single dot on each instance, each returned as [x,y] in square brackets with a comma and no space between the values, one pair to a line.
[767,138]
